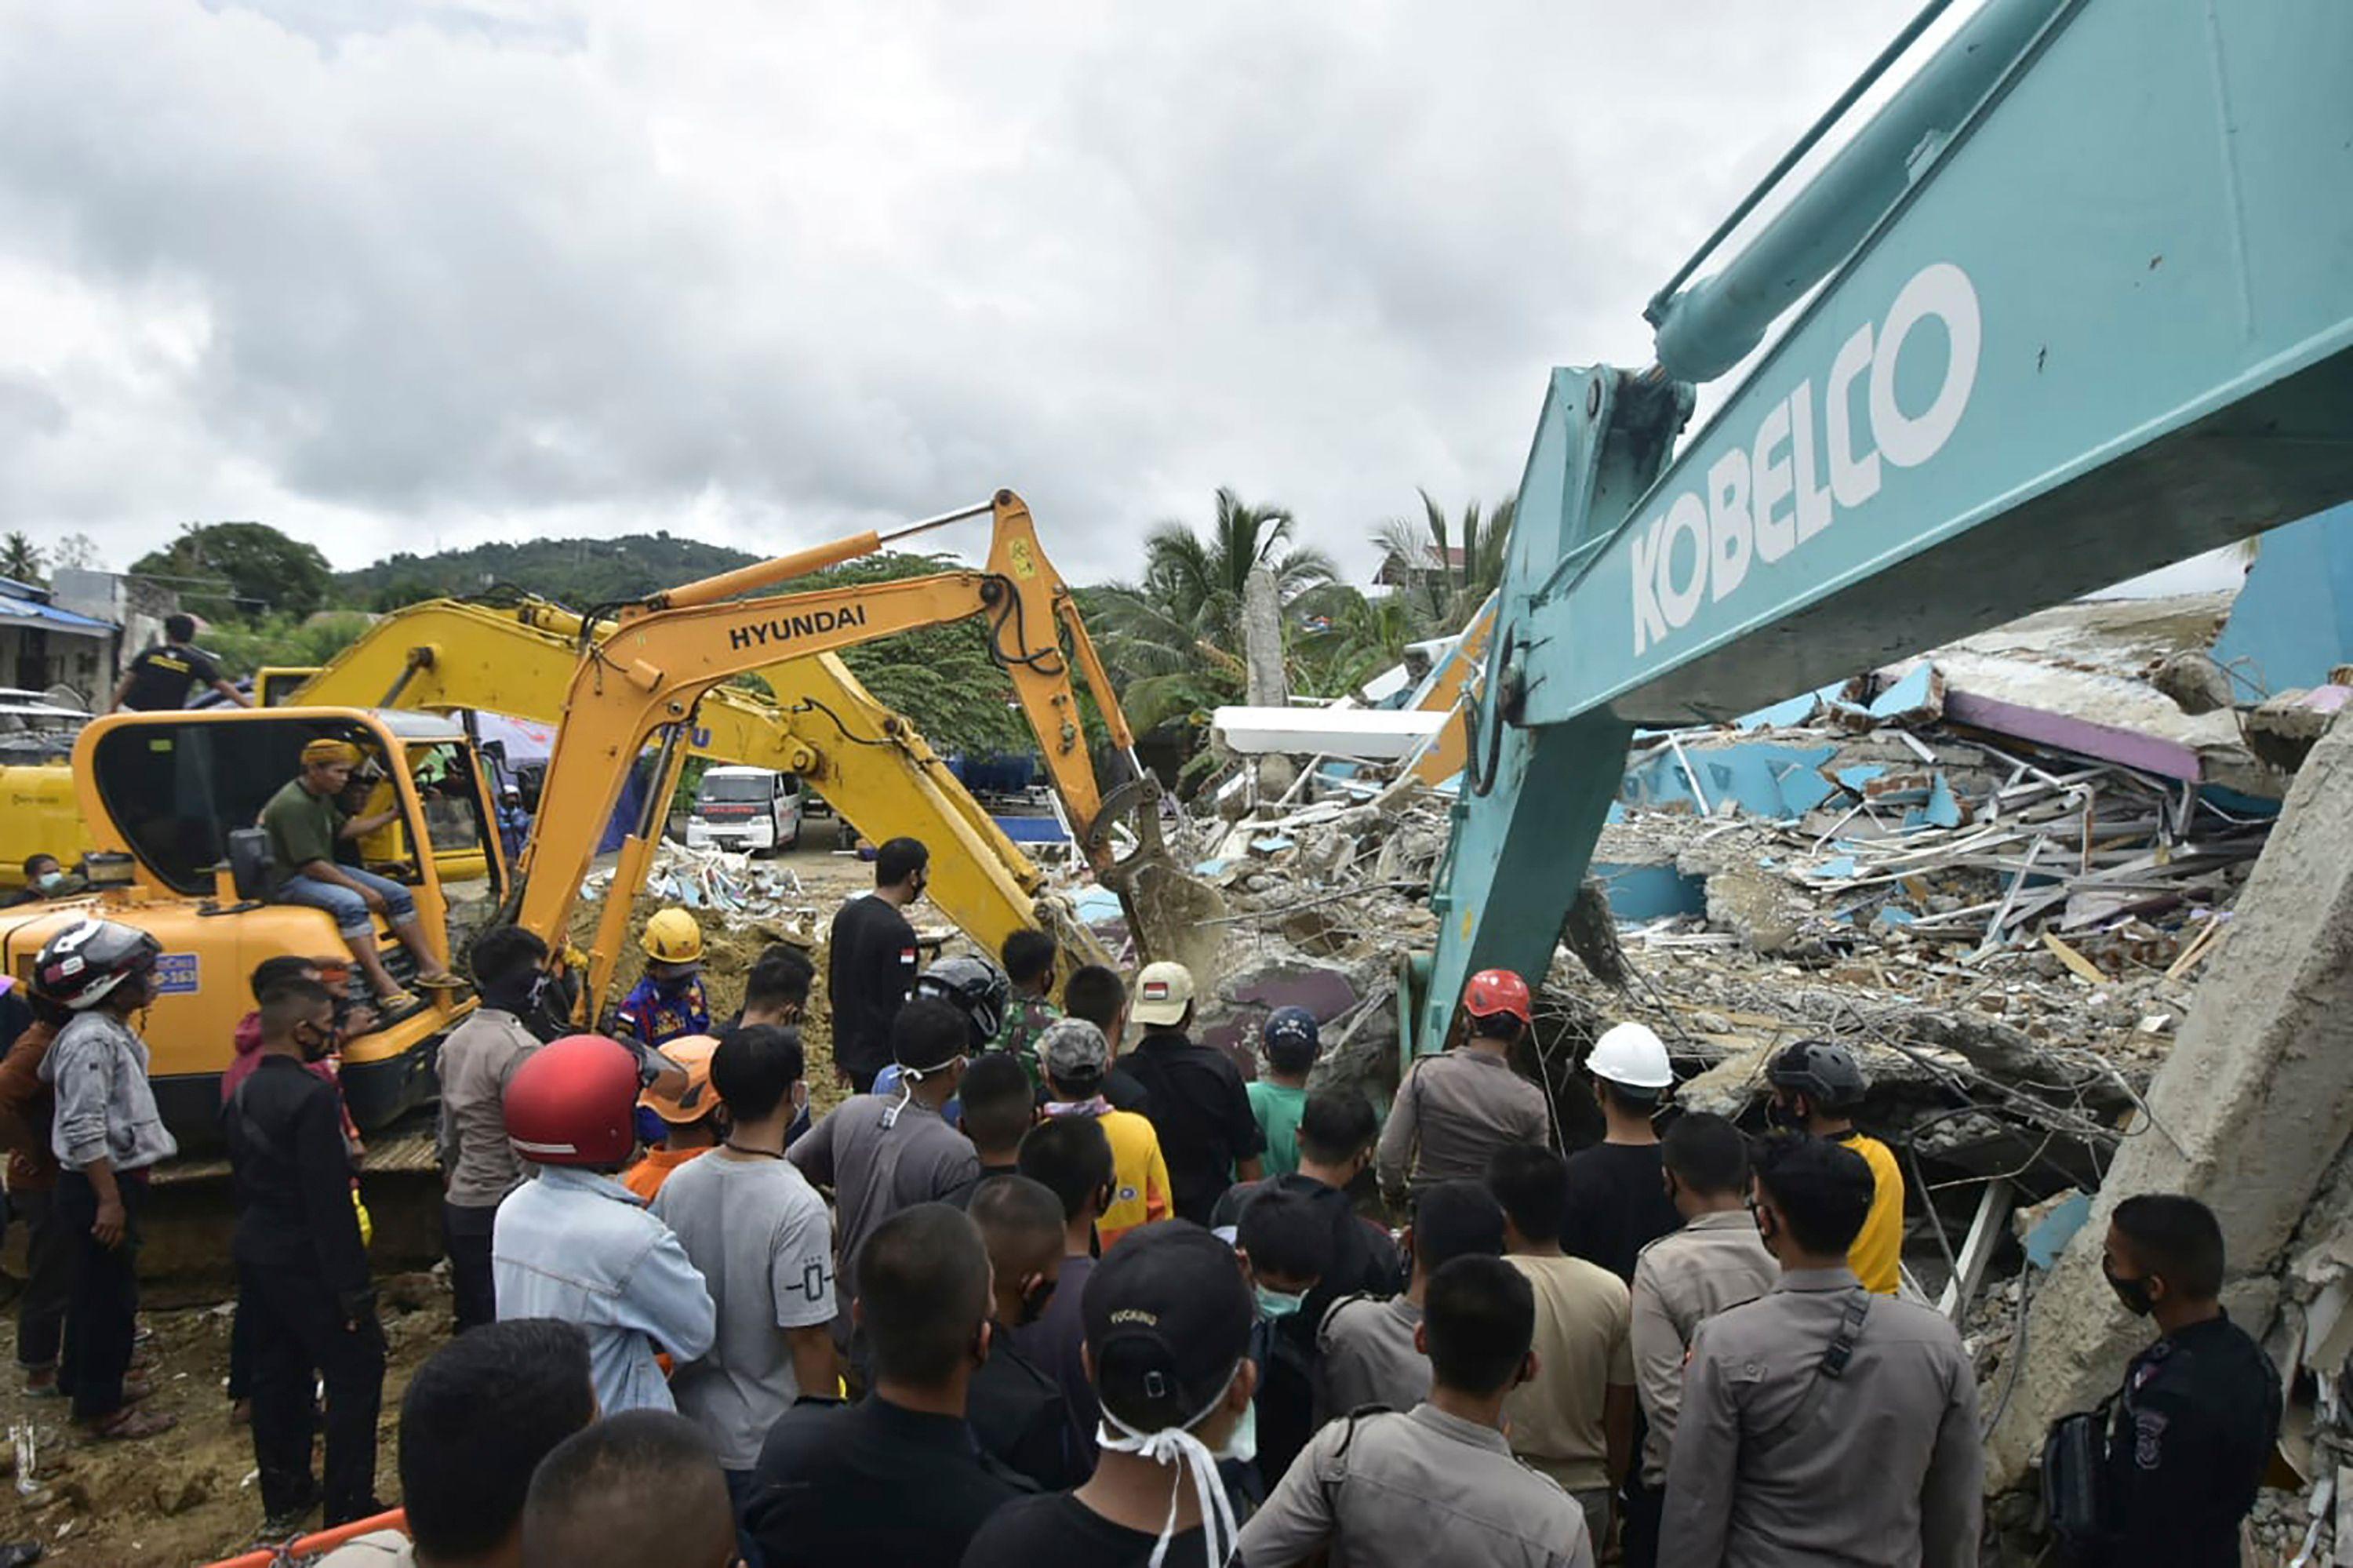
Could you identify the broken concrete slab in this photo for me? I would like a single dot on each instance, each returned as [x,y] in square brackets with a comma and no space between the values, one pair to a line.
[2253,1109]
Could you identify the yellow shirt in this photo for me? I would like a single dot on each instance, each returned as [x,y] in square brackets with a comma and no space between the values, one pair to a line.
[1877,1253]
[1140,1193]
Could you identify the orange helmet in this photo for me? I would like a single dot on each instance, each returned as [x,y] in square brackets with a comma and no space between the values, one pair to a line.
[691,1103]
[574,1102]
[1491,992]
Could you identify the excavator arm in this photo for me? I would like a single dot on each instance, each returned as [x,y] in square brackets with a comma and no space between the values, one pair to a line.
[647,679]
[518,658]
[2078,309]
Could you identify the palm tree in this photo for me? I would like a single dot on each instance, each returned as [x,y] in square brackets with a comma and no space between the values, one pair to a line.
[1444,592]
[20,560]
[1343,639]
[1174,637]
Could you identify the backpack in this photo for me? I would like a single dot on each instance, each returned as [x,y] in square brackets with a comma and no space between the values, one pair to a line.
[2076,1488]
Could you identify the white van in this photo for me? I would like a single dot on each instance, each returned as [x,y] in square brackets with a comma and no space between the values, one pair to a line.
[747,809]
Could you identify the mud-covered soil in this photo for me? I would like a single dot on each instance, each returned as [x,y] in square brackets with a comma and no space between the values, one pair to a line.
[188,1495]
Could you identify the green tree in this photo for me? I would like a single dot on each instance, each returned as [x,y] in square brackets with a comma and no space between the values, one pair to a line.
[20,560]
[1340,638]
[1444,592]
[941,677]
[241,569]
[244,647]
[1173,638]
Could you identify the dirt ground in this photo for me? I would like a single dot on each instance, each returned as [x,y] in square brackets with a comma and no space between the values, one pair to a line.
[189,1497]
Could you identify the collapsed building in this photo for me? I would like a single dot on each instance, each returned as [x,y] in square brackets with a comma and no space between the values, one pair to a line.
[2074,889]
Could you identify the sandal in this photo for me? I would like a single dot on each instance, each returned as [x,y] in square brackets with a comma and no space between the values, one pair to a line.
[444,981]
[130,1425]
[394,1005]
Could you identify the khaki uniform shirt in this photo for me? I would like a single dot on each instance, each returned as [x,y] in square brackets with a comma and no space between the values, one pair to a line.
[477,1061]
[1413,1490]
[1454,1111]
[1369,1357]
[1716,1261]
[1582,1345]
[1885,1469]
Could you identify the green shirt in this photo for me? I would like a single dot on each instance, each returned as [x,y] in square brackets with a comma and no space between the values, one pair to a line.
[1026,1018]
[301,827]
[1277,1108]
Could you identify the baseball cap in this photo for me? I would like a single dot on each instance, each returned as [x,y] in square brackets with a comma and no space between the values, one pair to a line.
[1072,1050]
[1167,1318]
[1162,991]
[1290,1026]
[693,1103]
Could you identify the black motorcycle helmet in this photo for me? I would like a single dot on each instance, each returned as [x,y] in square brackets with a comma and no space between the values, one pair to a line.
[974,987]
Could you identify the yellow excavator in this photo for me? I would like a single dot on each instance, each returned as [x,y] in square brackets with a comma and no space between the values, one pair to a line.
[515,656]
[168,798]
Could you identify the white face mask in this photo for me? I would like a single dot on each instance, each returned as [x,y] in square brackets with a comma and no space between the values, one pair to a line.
[1177,1447]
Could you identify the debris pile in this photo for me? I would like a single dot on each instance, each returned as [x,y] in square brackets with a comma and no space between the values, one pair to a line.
[715,879]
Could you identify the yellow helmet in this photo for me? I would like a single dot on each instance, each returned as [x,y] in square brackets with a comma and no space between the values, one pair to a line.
[672,937]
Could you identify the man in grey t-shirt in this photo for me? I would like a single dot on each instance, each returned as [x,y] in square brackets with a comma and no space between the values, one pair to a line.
[761,1238]
[882,1153]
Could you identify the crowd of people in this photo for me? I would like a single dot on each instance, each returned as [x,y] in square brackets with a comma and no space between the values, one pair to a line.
[1033,1294]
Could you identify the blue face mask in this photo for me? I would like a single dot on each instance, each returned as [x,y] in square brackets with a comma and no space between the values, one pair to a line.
[1276,1305]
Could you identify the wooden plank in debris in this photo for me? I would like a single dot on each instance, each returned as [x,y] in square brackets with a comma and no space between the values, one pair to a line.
[2074,960]
[1985,1234]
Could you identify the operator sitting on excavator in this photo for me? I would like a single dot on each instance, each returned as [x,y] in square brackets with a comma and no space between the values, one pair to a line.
[305,822]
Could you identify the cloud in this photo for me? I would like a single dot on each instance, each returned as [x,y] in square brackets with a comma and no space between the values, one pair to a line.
[395,276]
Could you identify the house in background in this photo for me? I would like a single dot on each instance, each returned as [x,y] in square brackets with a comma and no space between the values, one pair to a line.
[44,645]
[1398,570]
[132,608]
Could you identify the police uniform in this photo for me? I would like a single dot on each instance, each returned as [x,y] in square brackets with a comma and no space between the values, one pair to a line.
[2188,1438]
[1784,1456]
[1414,1489]
[1716,1261]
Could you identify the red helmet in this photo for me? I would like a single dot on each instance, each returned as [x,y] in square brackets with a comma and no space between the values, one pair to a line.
[575,1102]
[1491,992]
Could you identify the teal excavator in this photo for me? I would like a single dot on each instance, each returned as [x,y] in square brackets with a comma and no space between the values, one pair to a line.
[2075,302]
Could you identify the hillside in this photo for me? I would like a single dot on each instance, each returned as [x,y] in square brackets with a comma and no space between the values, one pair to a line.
[576,572]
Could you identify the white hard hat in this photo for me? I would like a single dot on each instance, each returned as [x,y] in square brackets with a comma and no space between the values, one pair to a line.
[1631,1054]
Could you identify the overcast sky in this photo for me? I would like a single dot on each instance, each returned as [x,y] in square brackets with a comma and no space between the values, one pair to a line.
[406,276]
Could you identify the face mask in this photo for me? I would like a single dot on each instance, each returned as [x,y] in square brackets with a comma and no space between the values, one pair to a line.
[1275,1305]
[2133,1293]
[652,1129]
[1785,1116]
[1242,1447]
[315,1042]
[50,881]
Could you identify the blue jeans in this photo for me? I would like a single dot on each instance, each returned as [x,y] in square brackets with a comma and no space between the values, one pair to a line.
[350,910]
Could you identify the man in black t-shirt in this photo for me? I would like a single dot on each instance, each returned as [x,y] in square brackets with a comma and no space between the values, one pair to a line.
[1167,1334]
[1617,1201]
[895,1479]
[161,678]
[870,962]
[1199,1107]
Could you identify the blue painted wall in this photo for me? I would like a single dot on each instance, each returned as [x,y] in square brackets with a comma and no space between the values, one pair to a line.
[2294,620]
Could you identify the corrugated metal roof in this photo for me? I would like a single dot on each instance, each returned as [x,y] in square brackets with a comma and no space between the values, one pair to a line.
[18,609]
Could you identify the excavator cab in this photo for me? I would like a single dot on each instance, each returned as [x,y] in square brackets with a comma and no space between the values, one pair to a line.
[173,800]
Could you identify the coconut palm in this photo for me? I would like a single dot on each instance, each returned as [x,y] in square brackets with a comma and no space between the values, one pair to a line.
[1173,637]
[1441,591]
[20,560]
